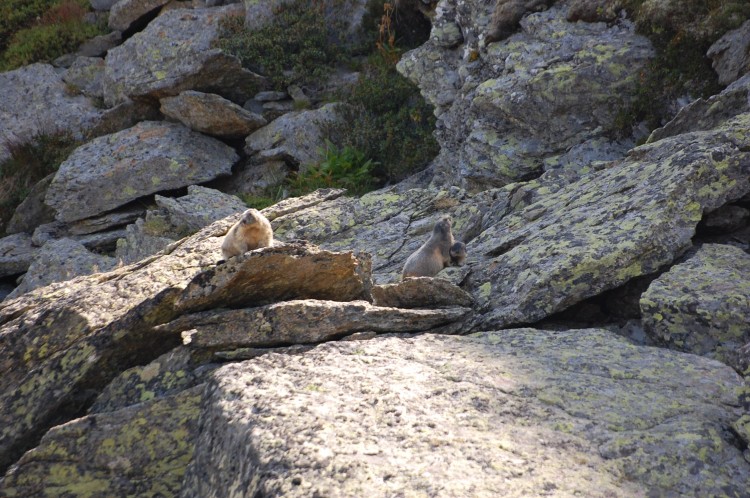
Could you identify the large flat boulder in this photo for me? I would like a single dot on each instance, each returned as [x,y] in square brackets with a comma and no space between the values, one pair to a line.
[509,413]
[282,272]
[703,304]
[627,220]
[112,170]
[288,322]
[174,53]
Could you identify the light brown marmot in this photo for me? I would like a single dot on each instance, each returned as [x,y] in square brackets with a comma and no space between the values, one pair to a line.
[251,232]
[434,255]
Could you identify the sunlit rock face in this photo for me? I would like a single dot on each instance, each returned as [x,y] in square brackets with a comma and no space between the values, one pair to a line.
[507,413]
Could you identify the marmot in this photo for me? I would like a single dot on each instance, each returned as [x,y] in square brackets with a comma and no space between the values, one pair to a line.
[434,255]
[458,253]
[251,232]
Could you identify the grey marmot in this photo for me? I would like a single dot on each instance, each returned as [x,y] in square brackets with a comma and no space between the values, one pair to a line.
[434,255]
[458,253]
[251,232]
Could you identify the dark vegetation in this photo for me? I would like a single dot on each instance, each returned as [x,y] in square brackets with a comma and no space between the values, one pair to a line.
[42,30]
[28,164]
[681,32]
[388,135]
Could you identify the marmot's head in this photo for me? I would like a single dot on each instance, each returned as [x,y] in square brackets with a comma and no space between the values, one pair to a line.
[458,253]
[458,249]
[442,228]
[250,217]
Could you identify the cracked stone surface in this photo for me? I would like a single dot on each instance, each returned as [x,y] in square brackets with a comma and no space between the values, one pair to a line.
[509,413]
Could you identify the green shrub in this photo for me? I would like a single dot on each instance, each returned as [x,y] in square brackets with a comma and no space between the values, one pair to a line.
[61,29]
[341,168]
[681,33]
[389,121]
[258,201]
[298,47]
[18,14]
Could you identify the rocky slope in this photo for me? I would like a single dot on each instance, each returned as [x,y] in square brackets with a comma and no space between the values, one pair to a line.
[307,368]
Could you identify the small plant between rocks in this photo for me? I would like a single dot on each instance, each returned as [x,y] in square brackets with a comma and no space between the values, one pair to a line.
[346,167]
[43,30]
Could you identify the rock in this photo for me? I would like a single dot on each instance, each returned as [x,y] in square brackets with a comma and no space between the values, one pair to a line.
[705,114]
[36,101]
[731,54]
[102,4]
[510,107]
[85,231]
[726,219]
[270,96]
[211,114]
[257,179]
[168,375]
[86,75]
[297,204]
[86,332]
[389,224]
[144,238]
[289,322]
[124,13]
[288,271]
[702,306]
[174,219]
[61,260]
[420,292]
[32,211]
[98,46]
[113,170]
[298,136]
[16,254]
[141,450]
[199,208]
[174,53]
[627,220]
[580,412]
